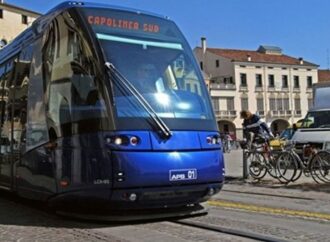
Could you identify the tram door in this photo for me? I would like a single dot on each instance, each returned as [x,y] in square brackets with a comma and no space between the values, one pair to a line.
[6,141]
[14,89]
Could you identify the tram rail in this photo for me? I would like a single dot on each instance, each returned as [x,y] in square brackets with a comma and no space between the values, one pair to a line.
[224,230]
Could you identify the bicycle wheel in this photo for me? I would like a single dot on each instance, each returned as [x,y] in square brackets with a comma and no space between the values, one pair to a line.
[319,167]
[300,168]
[271,165]
[257,167]
[286,165]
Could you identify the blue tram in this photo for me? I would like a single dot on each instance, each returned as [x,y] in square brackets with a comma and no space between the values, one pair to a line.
[105,109]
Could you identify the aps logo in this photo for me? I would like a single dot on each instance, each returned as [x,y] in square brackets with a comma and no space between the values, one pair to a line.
[183,174]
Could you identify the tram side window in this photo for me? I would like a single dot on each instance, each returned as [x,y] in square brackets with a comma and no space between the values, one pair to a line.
[36,128]
[2,104]
[6,109]
[48,53]
[73,94]
[22,78]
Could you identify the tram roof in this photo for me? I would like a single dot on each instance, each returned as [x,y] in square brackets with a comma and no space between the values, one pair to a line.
[65,5]
[40,23]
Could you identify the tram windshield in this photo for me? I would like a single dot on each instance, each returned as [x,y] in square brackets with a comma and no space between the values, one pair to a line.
[153,56]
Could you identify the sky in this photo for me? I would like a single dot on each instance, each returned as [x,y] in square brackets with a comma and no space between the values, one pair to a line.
[301,28]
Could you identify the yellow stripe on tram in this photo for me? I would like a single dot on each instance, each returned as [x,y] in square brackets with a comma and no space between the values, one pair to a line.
[270,210]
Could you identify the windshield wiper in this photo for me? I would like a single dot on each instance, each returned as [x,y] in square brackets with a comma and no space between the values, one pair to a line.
[142,101]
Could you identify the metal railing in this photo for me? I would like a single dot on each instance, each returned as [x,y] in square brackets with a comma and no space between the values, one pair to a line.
[280,113]
[225,113]
[222,86]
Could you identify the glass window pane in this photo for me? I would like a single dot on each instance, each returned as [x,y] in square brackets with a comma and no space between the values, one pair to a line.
[74,97]
[260,104]
[6,110]
[297,103]
[22,79]
[36,132]
[245,103]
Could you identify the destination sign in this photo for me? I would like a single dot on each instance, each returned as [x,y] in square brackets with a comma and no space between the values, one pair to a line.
[123,24]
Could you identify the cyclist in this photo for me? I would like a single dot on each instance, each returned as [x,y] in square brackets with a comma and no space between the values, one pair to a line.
[253,124]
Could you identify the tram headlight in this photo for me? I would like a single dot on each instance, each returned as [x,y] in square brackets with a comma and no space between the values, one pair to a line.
[134,140]
[123,140]
[118,141]
[209,140]
[213,140]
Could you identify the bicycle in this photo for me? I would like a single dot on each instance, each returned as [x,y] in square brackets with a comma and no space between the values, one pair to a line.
[319,167]
[313,163]
[260,157]
[226,144]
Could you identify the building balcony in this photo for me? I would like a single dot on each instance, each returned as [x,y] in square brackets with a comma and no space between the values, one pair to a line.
[225,114]
[280,113]
[243,88]
[261,113]
[222,86]
[296,89]
[271,88]
[297,113]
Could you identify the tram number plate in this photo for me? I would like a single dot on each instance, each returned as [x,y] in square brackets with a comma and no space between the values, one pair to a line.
[183,174]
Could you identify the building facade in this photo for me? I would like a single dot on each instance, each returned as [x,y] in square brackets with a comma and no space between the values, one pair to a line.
[13,20]
[267,82]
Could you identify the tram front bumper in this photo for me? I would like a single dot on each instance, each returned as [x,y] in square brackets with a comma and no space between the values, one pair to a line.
[164,197]
[100,200]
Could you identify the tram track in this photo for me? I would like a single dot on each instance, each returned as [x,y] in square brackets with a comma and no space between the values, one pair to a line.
[229,231]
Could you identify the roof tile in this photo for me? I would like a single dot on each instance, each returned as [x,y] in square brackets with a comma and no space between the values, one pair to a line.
[258,57]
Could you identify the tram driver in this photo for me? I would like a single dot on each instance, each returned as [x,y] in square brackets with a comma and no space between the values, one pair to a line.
[148,79]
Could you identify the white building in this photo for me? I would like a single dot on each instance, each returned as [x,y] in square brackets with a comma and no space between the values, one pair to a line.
[13,20]
[266,81]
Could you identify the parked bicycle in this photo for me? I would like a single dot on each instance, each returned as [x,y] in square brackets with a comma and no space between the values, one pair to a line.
[260,157]
[311,162]
[320,167]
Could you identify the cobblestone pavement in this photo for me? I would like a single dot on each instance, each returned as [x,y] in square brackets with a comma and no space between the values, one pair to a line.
[19,222]
[23,222]
[278,227]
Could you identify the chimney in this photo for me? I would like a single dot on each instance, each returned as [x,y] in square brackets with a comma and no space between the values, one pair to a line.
[301,61]
[203,39]
[248,58]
